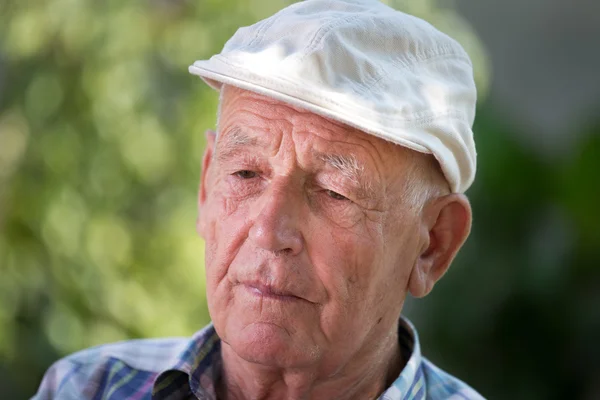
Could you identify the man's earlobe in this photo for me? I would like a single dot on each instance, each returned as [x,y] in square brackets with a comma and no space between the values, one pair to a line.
[204,174]
[446,223]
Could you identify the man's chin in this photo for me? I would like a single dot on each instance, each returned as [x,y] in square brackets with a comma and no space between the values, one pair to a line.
[272,345]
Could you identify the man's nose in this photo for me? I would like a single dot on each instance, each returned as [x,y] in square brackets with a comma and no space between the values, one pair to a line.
[276,226]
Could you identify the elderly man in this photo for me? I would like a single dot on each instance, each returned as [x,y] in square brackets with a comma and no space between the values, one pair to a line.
[331,190]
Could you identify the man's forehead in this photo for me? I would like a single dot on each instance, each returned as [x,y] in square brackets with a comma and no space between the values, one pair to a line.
[246,116]
[255,108]
[238,136]
[336,154]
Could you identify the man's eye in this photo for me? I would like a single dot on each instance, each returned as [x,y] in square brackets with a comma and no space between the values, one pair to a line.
[335,195]
[246,174]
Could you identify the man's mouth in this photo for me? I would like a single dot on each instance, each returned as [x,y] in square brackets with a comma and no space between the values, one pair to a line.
[269,292]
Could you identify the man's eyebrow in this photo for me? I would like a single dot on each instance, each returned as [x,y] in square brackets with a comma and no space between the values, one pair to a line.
[231,141]
[238,137]
[351,169]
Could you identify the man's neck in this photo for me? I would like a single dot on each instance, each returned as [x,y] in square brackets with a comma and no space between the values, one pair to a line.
[363,377]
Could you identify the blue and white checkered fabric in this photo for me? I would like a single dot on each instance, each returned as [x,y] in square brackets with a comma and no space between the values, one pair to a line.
[173,369]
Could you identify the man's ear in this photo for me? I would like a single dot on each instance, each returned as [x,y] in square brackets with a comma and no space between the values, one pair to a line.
[445,225]
[202,190]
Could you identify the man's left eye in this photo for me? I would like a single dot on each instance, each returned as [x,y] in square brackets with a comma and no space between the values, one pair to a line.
[335,195]
[246,174]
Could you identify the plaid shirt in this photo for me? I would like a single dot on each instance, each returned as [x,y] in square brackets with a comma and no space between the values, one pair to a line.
[173,369]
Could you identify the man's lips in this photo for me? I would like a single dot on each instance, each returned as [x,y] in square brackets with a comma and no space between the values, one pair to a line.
[266,291]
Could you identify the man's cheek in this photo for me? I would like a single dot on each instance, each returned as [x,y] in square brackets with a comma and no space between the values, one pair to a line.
[229,206]
[218,210]
[351,279]
[228,230]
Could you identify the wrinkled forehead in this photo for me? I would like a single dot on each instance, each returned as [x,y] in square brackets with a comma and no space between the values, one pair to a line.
[239,107]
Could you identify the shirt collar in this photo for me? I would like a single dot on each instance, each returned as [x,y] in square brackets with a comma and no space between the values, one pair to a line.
[197,370]
[410,384]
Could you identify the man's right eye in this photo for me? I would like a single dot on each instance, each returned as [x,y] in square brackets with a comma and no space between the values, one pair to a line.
[245,174]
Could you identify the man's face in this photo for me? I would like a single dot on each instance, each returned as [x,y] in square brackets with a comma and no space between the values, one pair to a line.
[309,246]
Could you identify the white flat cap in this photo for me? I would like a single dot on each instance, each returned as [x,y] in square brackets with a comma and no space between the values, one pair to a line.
[364,64]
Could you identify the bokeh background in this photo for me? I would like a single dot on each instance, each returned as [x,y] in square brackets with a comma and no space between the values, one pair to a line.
[101,135]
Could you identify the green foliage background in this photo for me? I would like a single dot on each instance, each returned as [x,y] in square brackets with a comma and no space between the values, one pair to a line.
[101,134]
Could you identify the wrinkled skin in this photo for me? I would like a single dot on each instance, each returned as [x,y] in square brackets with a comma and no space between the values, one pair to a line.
[308,265]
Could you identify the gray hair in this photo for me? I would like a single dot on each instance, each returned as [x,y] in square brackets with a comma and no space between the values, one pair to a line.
[424,181]
[219,106]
